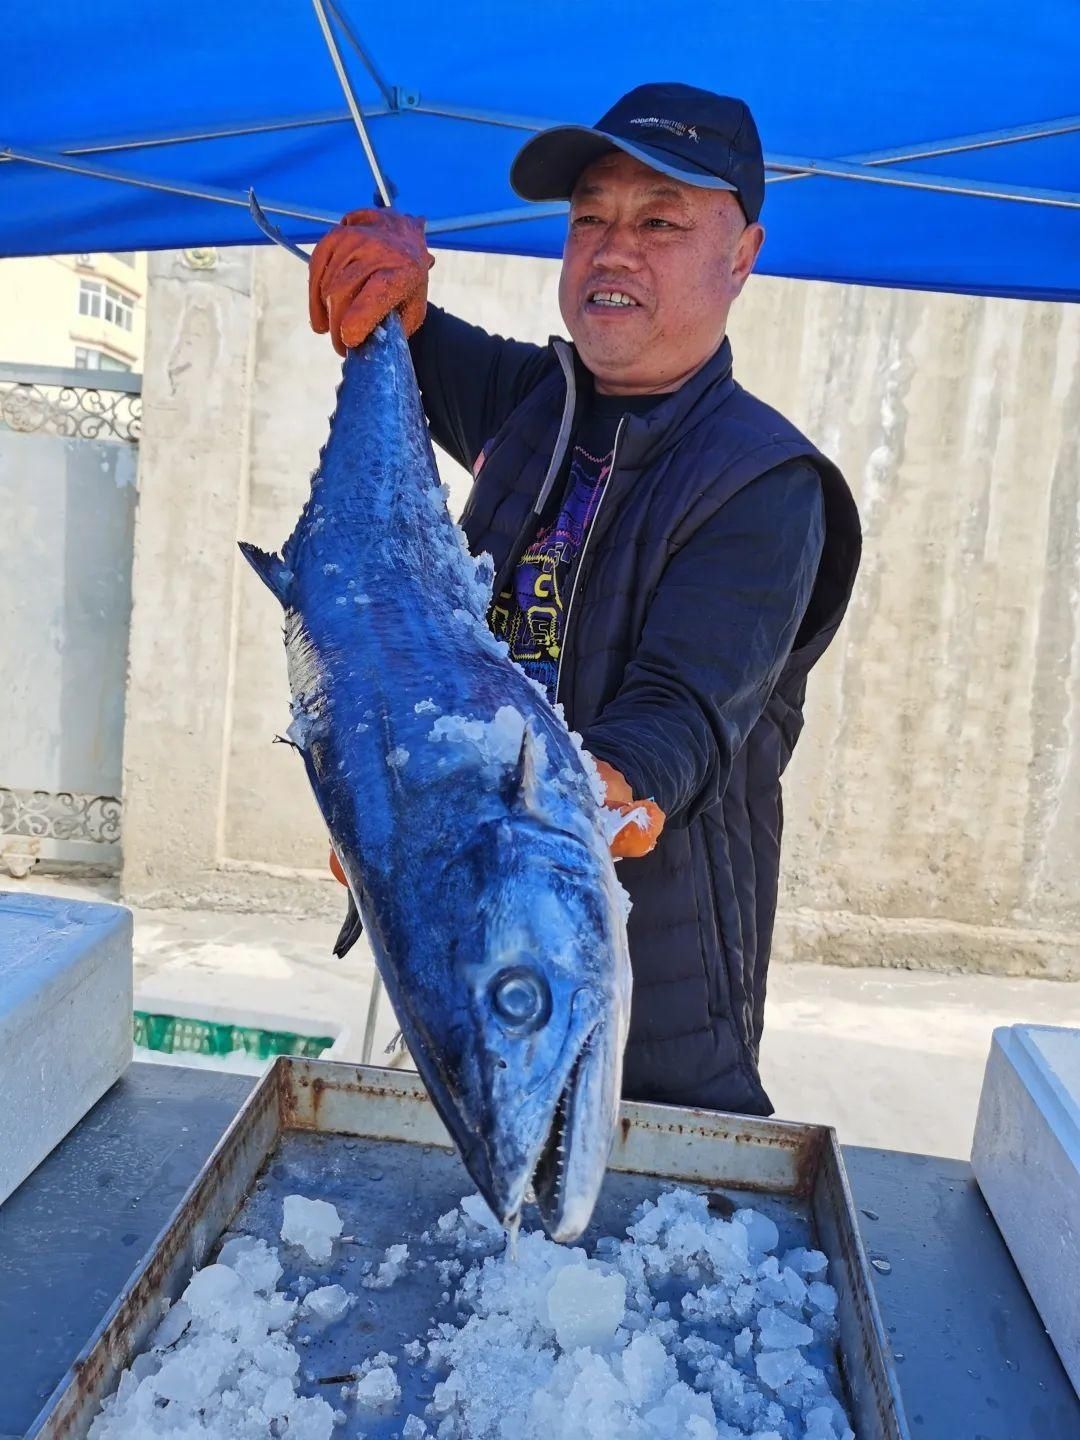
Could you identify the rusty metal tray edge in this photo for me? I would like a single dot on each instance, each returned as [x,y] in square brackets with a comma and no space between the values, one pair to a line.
[738,1152]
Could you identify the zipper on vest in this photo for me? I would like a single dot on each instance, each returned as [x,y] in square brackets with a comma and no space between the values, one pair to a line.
[584,551]
[562,444]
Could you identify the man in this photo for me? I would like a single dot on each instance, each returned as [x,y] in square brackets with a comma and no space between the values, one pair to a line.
[671,555]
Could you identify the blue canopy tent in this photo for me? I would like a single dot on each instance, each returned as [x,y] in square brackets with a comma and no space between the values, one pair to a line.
[909,143]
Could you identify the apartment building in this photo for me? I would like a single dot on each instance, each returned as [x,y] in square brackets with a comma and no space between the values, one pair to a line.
[82,312]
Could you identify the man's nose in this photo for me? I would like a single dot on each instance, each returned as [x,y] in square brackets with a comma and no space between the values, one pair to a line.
[619,248]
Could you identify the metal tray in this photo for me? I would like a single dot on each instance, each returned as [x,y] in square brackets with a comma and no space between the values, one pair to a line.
[368,1139]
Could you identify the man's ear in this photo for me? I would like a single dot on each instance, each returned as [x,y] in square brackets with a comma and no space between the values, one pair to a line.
[746,253]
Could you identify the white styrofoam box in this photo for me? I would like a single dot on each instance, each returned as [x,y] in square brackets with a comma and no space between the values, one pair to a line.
[65,1020]
[1026,1158]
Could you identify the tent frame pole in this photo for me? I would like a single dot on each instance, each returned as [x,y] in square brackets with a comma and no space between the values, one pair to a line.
[350,96]
[49,161]
[797,165]
[959,145]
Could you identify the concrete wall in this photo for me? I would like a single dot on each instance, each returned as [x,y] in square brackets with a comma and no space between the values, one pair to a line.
[933,802]
[65,597]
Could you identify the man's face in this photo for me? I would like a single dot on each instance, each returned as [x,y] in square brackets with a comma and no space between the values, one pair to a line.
[679,254]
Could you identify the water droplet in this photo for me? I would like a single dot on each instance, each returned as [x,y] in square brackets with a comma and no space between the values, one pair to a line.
[881,1265]
[871,1214]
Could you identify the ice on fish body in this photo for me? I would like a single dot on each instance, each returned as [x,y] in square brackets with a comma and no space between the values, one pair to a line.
[497,740]
[314,1225]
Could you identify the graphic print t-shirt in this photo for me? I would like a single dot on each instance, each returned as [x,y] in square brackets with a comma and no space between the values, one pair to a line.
[530,613]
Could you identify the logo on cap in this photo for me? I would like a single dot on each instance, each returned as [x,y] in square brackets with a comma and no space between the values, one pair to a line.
[676,127]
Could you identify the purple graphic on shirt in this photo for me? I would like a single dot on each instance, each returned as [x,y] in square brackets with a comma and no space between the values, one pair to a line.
[529,614]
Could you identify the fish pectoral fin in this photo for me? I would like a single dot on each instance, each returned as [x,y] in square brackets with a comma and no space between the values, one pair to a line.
[522,788]
[350,932]
[271,570]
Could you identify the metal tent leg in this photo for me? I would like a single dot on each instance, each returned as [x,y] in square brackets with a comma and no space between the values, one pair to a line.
[372,1019]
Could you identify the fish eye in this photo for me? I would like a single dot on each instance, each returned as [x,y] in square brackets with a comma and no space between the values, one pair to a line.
[521,999]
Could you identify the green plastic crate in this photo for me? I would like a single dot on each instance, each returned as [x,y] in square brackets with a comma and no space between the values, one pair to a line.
[169,1033]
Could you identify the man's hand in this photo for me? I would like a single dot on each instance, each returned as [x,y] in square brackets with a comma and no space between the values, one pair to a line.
[634,839]
[374,262]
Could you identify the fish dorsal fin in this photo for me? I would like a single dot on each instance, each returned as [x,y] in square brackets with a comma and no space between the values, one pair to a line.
[523,784]
[271,570]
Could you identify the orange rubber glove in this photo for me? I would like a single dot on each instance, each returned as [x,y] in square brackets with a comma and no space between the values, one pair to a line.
[374,262]
[633,840]
[335,868]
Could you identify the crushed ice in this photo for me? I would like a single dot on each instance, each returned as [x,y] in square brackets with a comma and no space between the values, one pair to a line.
[553,1345]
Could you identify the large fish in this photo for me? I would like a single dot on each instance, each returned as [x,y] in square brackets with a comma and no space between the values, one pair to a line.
[462,810]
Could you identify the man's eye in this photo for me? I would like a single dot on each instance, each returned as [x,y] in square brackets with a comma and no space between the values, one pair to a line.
[586,220]
[658,223]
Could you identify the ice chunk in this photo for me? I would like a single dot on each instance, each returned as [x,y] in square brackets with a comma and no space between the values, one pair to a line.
[278,1397]
[776,1367]
[807,1263]
[822,1297]
[314,1225]
[176,1321]
[390,1271]
[328,1303]
[253,1260]
[743,1343]
[819,1424]
[795,1286]
[379,1388]
[780,1332]
[397,758]
[585,1306]
[214,1294]
[761,1232]
[477,1210]
[310,1418]
[647,1368]
[414,1429]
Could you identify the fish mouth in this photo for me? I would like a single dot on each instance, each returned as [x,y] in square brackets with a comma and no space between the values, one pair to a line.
[560,1153]
[573,1156]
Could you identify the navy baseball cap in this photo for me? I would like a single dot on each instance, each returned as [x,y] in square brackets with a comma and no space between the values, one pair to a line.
[690,134]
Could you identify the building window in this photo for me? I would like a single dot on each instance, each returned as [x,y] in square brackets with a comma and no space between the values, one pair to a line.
[104,302]
[86,358]
[90,298]
[119,308]
[126,257]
